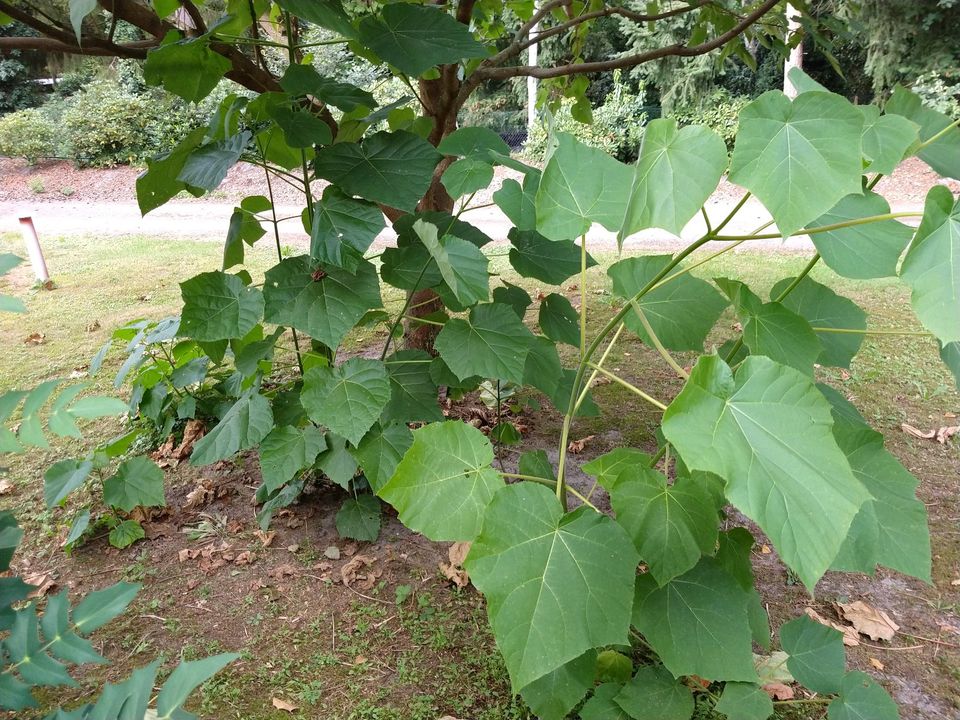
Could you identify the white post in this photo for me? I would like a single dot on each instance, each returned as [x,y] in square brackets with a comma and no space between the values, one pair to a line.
[532,81]
[795,60]
[33,250]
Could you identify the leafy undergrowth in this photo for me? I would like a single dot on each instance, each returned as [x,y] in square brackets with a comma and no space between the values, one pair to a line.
[399,641]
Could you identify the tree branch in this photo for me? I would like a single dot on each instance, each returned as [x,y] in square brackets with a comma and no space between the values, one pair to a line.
[195,16]
[498,73]
[137,50]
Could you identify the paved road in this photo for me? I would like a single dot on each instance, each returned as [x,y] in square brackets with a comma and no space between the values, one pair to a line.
[208,220]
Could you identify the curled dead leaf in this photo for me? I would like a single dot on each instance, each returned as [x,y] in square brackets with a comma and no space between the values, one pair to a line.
[6,487]
[35,338]
[43,583]
[876,663]
[354,572]
[921,434]
[779,691]
[850,638]
[458,553]
[265,538]
[244,558]
[868,620]
[284,705]
[285,570]
[454,571]
[192,432]
[576,446]
[945,433]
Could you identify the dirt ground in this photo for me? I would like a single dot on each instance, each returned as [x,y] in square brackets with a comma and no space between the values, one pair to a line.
[375,631]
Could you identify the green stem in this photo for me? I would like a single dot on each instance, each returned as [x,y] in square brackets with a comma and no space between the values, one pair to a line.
[664,353]
[606,330]
[780,298]
[549,482]
[413,318]
[593,375]
[874,180]
[403,311]
[632,388]
[583,294]
[821,229]
[688,268]
[933,138]
[706,219]
[729,217]
[276,239]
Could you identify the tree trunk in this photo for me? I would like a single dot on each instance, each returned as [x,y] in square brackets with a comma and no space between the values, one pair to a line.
[438,98]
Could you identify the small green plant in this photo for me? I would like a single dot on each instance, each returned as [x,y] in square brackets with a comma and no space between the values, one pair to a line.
[36,186]
[67,191]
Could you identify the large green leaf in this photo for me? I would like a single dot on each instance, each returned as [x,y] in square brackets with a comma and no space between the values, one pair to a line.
[581,186]
[62,478]
[359,518]
[817,659]
[493,343]
[681,313]
[138,481]
[324,305]
[473,141]
[444,481]
[188,68]
[675,174]
[950,354]
[672,525]
[601,705]
[861,698]
[304,80]
[943,155]
[559,321]
[462,265]
[414,38]
[217,306]
[886,139]
[555,694]
[286,451]
[390,168]
[932,266]
[768,433]
[159,182]
[348,398]
[328,14]
[380,452]
[301,128]
[184,679]
[466,176]
[891,528]
[654,694]
[861,251]
[413,395]
[607,467]
[208,165]
[519,203]
[543,572]
[744,701]
[552,261]
[823,308]
[79,9]
[342,222]
[799,158]
[771,329]
[248,421]
[697,623]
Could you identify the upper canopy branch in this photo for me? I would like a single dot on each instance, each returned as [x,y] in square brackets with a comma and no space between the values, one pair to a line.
[488,69]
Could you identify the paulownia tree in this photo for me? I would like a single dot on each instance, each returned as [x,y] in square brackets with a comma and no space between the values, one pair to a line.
[443,51]
[567,597]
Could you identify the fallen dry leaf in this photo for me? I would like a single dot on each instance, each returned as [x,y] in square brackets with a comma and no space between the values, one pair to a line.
[876,663]
[911,430]
[154,530]
[94,326]
[265,538]
[945,433]
[765,549]
[576,446]
[850,638]
[187,554]
[192,432]
[284,705]
[869,621]
[43,583]
[35,338]
[244,558]
[458,553]
[285,570]
[353,572]
[778,691]
[6,487]
[359,660]
[955,583]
